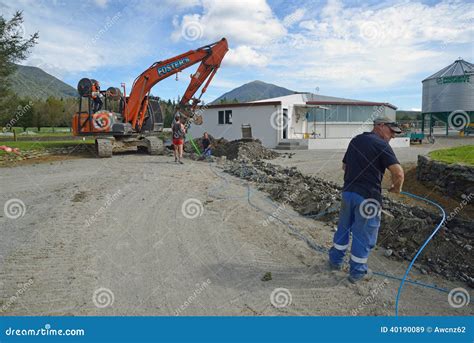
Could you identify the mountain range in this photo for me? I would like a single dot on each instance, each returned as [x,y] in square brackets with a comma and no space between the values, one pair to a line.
[252,91]
[33,82]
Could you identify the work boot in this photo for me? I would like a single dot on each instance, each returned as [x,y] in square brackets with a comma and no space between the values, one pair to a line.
[366,277]
[333,266]
[181,162]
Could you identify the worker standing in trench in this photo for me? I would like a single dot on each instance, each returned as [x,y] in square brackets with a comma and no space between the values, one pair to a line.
[364,164]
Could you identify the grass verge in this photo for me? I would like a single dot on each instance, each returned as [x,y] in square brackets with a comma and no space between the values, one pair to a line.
[462,154]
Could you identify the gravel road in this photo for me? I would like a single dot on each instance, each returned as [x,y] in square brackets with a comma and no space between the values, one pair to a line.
[140,235]
[327,164]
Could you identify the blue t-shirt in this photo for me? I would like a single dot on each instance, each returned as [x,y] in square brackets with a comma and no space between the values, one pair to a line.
[366,159]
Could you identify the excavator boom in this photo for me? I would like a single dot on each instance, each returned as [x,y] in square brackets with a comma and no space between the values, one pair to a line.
[210,57]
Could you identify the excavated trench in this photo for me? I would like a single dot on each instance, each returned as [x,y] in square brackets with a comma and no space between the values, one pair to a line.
[404,227]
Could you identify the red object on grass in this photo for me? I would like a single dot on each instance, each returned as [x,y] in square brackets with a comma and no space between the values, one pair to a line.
[10,150]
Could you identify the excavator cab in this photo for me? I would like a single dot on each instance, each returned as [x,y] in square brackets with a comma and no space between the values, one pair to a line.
[108,126]
[107,121]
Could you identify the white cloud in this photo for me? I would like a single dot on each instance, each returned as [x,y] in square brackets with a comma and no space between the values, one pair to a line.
[331,46]
[369,47]
[191,28]
[101,3]
[67,46]
[249,22]
[244,56]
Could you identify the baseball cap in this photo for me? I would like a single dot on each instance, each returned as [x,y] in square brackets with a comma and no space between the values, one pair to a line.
[389,122]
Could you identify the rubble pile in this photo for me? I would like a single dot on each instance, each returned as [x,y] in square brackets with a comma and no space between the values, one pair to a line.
[307,195]
[238,149]
[403,230]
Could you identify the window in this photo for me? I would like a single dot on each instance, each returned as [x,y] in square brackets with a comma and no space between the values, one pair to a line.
[224,117]
[228,117]
[360,113]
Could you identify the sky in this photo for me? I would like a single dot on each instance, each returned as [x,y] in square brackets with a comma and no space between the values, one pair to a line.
[364,50]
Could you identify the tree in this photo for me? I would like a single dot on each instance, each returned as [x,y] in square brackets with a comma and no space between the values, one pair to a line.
[13,48]
[24,113]
[39,114]
[54,111]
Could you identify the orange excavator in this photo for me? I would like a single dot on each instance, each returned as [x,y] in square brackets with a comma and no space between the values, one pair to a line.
[135,120]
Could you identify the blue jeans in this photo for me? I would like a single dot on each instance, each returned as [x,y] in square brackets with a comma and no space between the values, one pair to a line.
[364,228]
[206,152]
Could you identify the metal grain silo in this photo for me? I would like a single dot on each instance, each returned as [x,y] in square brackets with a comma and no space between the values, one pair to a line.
[449,93]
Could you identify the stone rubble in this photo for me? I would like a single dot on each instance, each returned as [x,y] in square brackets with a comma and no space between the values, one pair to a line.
[403,230]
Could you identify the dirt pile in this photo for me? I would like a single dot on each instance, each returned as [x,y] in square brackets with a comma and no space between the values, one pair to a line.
[403,230]
[238,149]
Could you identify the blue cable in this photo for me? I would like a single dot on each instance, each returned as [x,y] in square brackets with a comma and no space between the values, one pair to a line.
[324,250]
[422,247]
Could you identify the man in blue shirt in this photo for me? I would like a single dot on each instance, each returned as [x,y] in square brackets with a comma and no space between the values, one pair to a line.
[364,164]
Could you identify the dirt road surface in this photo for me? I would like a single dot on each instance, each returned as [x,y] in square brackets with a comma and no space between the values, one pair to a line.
[140,235]
[327,164]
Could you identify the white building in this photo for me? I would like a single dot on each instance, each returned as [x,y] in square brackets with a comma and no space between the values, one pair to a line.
[305,120]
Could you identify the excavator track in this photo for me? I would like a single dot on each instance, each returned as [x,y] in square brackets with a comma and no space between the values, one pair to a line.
[155,145]
[104,147]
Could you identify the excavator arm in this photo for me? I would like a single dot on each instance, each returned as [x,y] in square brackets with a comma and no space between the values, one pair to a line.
[210,57]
